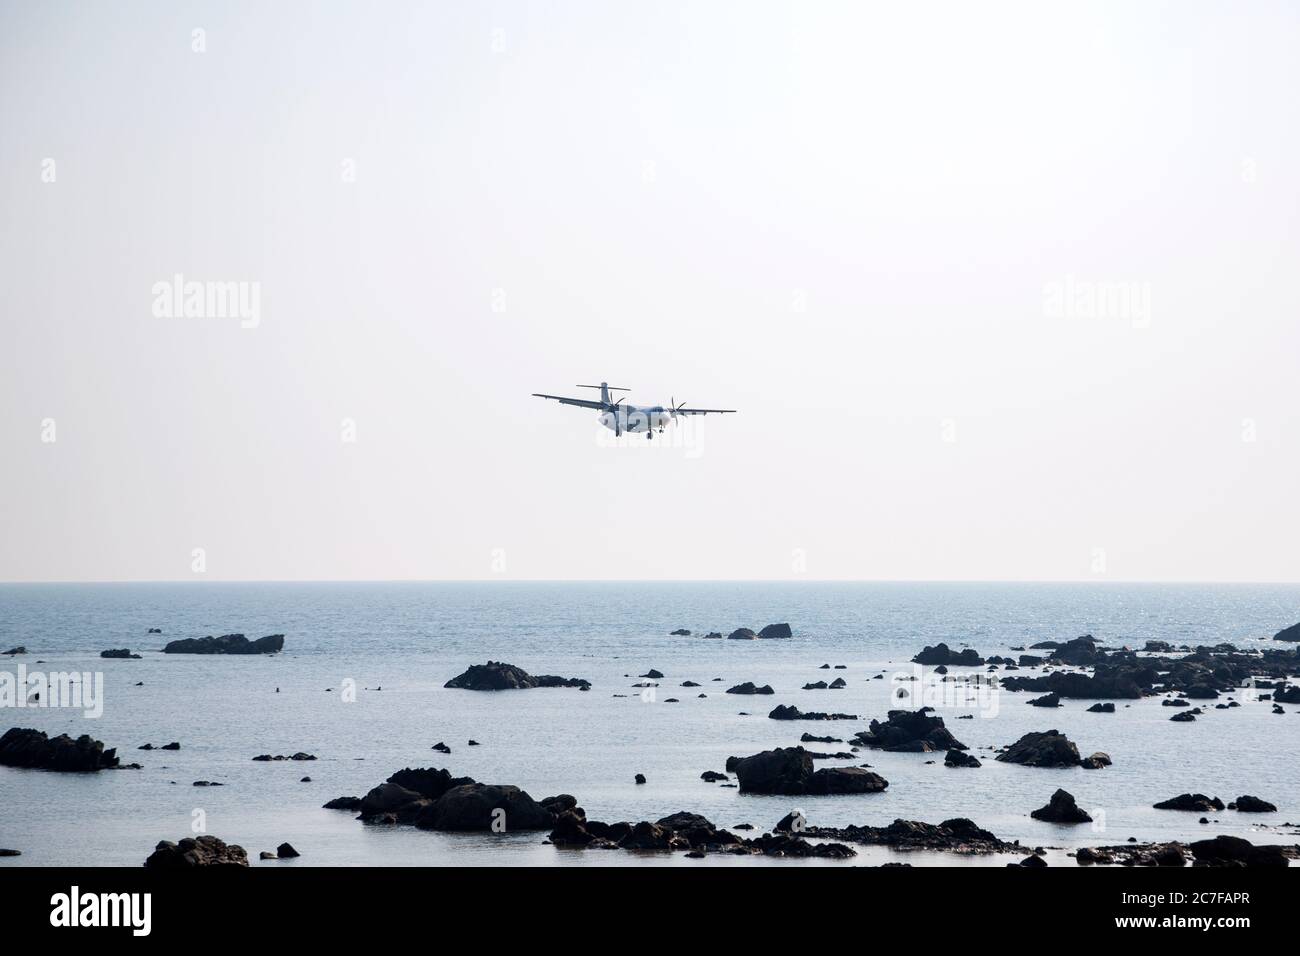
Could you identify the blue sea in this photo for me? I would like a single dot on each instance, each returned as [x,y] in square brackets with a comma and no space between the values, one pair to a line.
[398,643]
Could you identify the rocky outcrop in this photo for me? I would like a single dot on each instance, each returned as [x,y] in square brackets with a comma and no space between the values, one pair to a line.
[190,852]
[226,644]
[955,758]
[1047,700]
[685,832]
[482,806]
[942,654]
[1249,804]
[1234,851]
[791,712]
[13,651]
[909,731]
[1192,802]
[497,675]
[789,771]
[120,653]
[24,747]
[775,632]
[749,688]
[1291,633]
[1061,808]
[958,835]
[344,803]
[1047,749]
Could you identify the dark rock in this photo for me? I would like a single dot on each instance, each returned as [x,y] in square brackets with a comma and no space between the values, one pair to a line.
[839,683]
[496,675]
[1031,861]
[639,778]
[1291,633]
[20,649]
[286,851]
[24,747]
[1249,804]
[680,632]
[477,806]
[1096,761]
[808,738]
[428,782]
[712,776]
[790,712]
[1047,700]
[910,731]
[1234,851]
[749,688]
[789,770]
[1183,717]
[955,758]
[122,653]
[1047,749]
[1102,709]
[742,634]
[778,631]
[441,747]
[652,674]
[1193,802]
[1061,809]
[942,654]
[226,644]
[8,852]
[175,745]
[203,850]
[958,835]
[818,685]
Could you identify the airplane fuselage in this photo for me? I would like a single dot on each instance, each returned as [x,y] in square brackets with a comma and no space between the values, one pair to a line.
[636,418]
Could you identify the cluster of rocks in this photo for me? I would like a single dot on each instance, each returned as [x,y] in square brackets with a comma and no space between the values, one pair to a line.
[1221,851]
[226,644]
[791,712]
[174,745]
[958,835]
[263,758]
[837,684]
[1050,748]
[771,632]
[205,850]
[432,799]
[750,688]
[909,731]
[24,747]
[120,653]
[497,675]
[1200,803]
[682,831]
[789,771]
[1202,674]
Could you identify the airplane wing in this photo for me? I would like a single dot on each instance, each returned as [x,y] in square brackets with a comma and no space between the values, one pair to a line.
[706,411]
[580,402]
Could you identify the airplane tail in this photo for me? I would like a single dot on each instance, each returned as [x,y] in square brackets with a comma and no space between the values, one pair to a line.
[605,389]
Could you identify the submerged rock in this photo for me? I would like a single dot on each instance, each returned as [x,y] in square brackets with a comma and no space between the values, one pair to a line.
[226,644]
[120,653]
[497,675]
[24,747]
[205,850]
[742,634]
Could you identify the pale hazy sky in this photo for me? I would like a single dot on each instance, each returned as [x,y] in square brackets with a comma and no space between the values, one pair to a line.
[875,229]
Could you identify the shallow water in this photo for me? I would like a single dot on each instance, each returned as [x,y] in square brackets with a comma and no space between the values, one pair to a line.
[410,638]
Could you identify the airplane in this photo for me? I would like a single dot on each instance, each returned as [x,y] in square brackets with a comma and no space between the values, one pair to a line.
[621,418]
